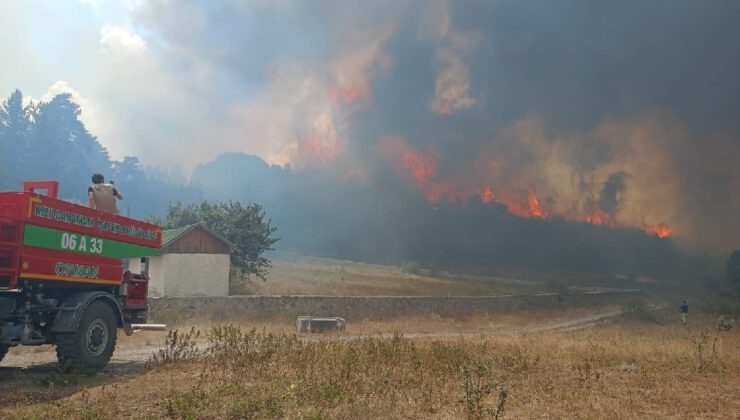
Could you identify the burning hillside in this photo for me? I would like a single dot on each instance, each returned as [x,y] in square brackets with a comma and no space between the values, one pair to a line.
[421,169]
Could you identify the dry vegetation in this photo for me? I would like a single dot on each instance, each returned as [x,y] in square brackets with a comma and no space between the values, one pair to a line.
[296,275]
[643,365]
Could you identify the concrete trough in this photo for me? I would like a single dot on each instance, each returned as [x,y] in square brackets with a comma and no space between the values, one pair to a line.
[312,324]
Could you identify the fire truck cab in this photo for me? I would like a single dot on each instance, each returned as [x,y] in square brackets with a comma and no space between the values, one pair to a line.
[62,275]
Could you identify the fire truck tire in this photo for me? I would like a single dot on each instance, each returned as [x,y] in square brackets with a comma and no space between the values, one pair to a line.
[92,345]
[3,351]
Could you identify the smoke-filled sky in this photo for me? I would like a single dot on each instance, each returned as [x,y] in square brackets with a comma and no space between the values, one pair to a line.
[620,113]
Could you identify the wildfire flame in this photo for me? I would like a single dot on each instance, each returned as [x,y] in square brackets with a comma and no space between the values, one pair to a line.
[421,168]
[529,207]
[535,210]
[417,165]
[312,147]
[598,217]
[487,195]
[661,230]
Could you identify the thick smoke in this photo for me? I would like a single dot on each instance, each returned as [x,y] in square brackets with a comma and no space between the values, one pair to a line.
[628,108]
[621,114]
[609,197]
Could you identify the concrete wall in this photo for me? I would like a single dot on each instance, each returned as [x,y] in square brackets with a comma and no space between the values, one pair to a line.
[187,274]
[355,308]
[196,274]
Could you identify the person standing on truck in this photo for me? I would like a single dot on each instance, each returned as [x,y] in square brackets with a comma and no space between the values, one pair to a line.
[103,196]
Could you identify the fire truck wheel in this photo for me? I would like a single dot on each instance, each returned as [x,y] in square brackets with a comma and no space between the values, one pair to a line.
[3,351]
[92,345]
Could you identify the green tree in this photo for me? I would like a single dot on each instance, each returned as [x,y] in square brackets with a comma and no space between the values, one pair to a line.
[15,130]
[59,133]
[244,226]
[733,272]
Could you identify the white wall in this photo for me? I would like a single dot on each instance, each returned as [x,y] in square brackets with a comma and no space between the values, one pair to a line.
[187,274]
[195,274]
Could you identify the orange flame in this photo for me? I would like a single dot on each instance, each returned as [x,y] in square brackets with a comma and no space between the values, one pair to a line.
[313,148]
[519,207]
[408,160]
[421,168]
[417,165]
[598,217]
[535,210]
[531,208]
[661,230]
[487,195]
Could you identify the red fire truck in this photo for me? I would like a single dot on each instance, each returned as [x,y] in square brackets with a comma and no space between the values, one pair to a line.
[63,279]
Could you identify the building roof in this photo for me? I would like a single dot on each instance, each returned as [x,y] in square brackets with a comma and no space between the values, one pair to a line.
[171,235]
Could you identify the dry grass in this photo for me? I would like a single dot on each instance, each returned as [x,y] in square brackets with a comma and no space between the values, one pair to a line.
[293,275]
[482,322]
[622,369]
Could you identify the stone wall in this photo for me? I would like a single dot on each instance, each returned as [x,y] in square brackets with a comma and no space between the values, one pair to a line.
[356,308]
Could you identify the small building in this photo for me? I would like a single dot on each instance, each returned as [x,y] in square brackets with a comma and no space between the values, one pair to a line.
[194,261]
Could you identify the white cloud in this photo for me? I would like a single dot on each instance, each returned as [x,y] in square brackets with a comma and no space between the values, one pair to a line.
[120,42]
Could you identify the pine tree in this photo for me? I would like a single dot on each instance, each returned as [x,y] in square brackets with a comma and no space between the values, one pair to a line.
[15,129]
[70,153]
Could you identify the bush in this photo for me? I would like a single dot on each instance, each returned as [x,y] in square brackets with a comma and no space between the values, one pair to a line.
[478,386]
[177,347]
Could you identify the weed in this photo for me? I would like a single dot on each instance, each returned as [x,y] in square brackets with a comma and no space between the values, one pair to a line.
[236,349]
[478,387]
[177,347]
[725,323]
[700,342]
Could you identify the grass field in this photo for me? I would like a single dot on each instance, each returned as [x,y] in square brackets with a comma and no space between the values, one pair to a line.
[298,275]
[630,367]
[516,363]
